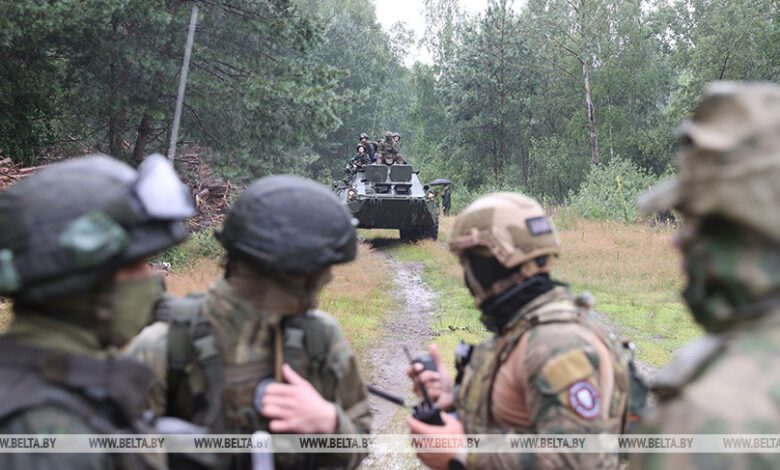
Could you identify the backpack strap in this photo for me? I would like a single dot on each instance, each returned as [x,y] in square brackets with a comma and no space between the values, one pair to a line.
[189,339]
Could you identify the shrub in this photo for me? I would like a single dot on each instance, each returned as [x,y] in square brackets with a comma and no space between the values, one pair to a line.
[609,191]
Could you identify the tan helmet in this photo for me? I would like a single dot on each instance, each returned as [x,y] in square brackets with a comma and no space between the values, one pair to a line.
[729,162]
[510,227]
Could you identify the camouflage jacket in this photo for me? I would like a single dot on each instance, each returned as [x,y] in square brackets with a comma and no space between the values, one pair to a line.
[244,352]
[562,374]
[727,383]
[51,392]
[387,148]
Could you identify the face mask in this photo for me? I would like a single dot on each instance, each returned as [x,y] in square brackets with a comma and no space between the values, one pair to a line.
[133,303]
[728,270]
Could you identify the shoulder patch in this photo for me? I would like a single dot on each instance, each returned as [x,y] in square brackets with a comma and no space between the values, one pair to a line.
[584,399]
[567,368]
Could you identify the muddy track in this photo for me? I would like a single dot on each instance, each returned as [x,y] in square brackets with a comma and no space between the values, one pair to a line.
[408,326]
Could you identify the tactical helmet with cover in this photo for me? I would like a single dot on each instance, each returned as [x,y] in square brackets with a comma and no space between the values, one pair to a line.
[727,189]
[291,225]
[73,223]
[509,228]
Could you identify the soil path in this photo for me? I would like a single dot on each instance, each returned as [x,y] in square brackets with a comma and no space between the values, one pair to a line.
[409,326]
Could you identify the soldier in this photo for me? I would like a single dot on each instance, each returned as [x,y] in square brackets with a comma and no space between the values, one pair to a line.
[370,147]
[254,353]
[73,243]
[362,159]
[728,194]
[549,369]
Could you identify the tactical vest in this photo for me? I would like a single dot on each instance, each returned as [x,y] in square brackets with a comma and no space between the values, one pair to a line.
[474,399]
[222,397]
[107,394]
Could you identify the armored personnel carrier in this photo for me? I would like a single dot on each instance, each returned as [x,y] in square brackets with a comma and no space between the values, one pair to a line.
[381,196]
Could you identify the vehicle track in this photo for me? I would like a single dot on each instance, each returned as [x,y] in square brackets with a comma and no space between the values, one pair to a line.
[409,326]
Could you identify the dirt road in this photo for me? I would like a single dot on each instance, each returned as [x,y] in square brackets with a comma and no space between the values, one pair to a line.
[408,326]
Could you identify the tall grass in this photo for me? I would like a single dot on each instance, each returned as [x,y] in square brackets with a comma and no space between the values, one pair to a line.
[636,277]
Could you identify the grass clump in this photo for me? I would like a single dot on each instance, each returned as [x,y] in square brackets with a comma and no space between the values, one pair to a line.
[199,245]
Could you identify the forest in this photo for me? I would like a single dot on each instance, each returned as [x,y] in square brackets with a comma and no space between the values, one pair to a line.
[571,101]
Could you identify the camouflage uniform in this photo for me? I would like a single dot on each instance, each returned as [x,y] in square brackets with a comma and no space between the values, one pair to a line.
[728,192]
[252,321]
[369,146]
[79,222]
[387,151]
[549,369]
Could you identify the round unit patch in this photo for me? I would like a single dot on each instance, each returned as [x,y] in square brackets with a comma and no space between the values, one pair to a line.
[584,399]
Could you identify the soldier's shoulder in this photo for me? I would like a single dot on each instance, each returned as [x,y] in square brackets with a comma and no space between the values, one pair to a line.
[701,386]
[152,338]
[151,348]
[327,320]
[45,419]
[51,420]
[339,348]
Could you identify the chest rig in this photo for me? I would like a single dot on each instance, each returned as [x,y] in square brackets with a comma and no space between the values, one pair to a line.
[474,397]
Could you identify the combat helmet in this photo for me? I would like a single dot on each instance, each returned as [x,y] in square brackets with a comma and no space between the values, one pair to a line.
[71,224]
[363,135]
[290,224]
[510,228]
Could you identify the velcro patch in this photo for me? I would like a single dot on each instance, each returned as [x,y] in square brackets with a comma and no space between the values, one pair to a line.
[584,399]
[567,368]
[539,225]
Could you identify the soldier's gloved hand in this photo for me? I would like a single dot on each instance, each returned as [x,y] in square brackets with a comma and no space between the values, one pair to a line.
[441,458]
[438,384]
[296,407]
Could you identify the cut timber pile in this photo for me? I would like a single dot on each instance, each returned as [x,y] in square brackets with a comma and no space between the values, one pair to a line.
[10,172]
[212,194]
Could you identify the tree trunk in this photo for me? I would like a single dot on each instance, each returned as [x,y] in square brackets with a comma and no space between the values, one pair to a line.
[116,123]
[594,134]
[585,58]
[144,129]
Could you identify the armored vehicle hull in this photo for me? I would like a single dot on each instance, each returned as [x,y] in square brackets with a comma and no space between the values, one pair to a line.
[391,197]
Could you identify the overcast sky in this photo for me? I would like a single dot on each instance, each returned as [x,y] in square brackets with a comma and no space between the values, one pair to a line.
[410,12]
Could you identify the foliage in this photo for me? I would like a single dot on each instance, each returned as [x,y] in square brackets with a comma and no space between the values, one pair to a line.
[524,95]
[201,244]
[610,191]
[110,68]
